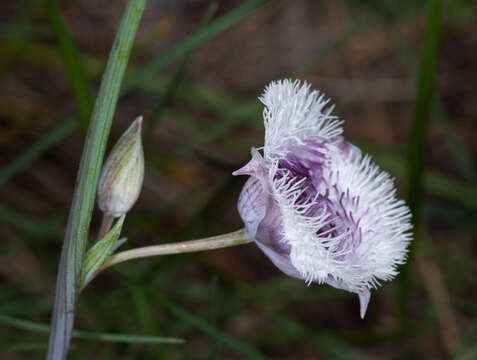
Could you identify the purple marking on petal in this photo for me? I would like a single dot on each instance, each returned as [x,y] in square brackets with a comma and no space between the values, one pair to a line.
[344,225]
[252,205]
[348,149]
[301,169]
[263,221]
[270,231]
[303,164]
[305,159]
[261,216]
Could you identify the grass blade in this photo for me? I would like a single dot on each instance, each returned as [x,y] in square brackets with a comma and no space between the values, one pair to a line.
[333,346]
[191,42]
[76,235]
[13,45]
[432,181]
[234,345]
[140,75]
[49,140]
[420,123]
[27,347]
[78,81]
[89,335]
[29,224]
[416,152]
[174,82]
[458,149]
[332,46]
[99,252]
[106,337]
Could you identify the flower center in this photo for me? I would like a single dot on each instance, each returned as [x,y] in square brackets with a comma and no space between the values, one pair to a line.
[313,197]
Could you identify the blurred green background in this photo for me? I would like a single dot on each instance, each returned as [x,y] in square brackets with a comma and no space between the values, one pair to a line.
[196,70]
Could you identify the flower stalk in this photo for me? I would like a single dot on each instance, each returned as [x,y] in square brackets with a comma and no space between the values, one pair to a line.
[238,237]
[76,235]
[235,238]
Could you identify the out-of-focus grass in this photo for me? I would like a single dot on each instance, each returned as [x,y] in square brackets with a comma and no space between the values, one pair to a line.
[17,35]
[80,88]
[240,348]
[86,335]
[417,150]
[203,34]
[457,147]
[136,306]
[432,181]
[78,81]
[30,224]
[173,83]
[36,150]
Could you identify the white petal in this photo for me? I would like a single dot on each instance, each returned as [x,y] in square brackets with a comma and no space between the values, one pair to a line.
[292,113]
[364,297]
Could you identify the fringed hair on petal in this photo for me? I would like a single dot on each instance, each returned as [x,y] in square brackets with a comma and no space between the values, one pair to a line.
[292,114]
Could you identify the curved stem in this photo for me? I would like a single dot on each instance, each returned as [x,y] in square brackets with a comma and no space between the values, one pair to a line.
[215,242]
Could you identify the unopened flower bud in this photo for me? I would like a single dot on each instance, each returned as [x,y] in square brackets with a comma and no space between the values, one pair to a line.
[123,172]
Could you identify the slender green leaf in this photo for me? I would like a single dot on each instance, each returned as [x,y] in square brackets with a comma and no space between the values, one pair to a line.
[234,345]
[468,354]
[99,252]
[191,42]
[97,336]
[335,348]
[420,125]
[174,82]
[416,152]
[89,335]
[144,309]
[432,181]
[457,147]
[213,314]
[34,151]
[27,347]
[72,60]
[180,50]
[14,44]
[76,236]
[332,46]
[28,223]
[461,153]
[331,344]
[248,110]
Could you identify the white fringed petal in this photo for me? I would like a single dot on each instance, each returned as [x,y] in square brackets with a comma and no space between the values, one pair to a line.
[316,206]
[292,113]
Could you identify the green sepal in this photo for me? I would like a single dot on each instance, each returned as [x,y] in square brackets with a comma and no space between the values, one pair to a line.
[99,252]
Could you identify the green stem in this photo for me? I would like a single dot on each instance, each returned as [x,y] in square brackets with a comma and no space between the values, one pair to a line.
[238,237]
[76,235]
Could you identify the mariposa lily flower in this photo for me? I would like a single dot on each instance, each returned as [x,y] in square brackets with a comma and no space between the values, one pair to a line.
[318,208]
